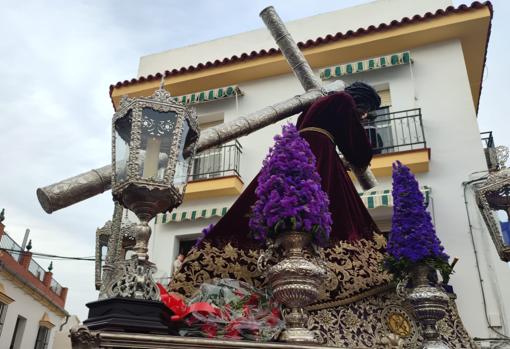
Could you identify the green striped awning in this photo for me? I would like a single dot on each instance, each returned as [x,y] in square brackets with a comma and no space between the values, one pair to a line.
[371,199]
[383,198]
[366,65]
[209,95]
[179,216]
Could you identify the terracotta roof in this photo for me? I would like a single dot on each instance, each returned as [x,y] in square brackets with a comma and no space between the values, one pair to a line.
[313,43]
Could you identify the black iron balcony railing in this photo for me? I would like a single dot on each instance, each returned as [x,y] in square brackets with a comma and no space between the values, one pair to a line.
[487,139]
[396,131]
[217,162]
[489,148]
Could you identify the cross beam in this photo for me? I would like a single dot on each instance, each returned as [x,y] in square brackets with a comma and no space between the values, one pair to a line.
[88,184]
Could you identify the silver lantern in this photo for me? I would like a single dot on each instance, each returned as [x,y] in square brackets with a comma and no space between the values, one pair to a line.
[154,142]
[493,198]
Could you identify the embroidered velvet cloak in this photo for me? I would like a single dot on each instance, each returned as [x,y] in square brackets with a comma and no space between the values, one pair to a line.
[351,221]
[355,252]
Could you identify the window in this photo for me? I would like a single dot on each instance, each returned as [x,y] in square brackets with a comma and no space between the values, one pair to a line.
[385,98]
[17,336]
[378,125]
[43,337]
[186,245]
[378,130]
[3,312]
[207,164]
[5,300]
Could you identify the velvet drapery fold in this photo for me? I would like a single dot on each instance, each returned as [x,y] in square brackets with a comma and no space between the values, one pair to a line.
[336,114]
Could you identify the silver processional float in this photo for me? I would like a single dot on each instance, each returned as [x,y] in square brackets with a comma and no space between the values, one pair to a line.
[86,185]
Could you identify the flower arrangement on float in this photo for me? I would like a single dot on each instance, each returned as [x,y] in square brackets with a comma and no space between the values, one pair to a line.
[415,255]
[413,240]
[291,211]
[290,216]
[290,197]
[226,308]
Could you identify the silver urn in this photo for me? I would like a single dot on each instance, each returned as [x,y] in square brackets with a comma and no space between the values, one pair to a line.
[429,303]
[296,282]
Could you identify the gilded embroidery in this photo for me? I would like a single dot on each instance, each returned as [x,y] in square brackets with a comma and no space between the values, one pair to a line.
[364,323]
[353,269]
[398,324]
[358,307]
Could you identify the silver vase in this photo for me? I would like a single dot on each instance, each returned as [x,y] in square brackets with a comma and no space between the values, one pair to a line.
[429,303]
[295,282]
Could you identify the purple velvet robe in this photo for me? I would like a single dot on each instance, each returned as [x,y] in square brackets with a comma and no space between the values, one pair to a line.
[351,221]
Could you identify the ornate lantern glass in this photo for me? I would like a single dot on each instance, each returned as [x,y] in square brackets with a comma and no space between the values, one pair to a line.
[493,198]
[154,141]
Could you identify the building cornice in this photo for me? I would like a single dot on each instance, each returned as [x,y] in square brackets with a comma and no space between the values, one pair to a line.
[46,321]
[35,293]
[469,24]
[4,298]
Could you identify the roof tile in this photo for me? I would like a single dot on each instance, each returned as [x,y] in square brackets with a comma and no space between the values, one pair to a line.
[310,43]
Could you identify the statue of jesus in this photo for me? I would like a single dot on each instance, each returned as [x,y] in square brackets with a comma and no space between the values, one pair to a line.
[229,250]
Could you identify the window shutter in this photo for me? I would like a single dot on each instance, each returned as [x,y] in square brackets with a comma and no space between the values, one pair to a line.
[385,98]
[206,125]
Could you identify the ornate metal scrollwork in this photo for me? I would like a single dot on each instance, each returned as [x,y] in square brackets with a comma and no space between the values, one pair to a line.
[134,280]
[429,304]
[295,282]
[267,257]
[117,235]
[82,338]
[392,341]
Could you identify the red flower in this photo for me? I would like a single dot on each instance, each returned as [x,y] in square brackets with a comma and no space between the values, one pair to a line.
[274,318]
[254,299]
[247,311]
[231,330]
[210,330]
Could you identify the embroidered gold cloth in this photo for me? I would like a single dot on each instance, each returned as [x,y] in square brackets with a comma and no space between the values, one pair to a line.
[367,322]
[354,269]
[358,305]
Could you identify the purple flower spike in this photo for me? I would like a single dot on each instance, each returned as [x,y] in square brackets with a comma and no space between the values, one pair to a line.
[289,192]
[205,232]
[413,238]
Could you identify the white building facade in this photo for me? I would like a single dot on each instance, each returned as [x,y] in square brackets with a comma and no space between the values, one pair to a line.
[428,71]
[31,301]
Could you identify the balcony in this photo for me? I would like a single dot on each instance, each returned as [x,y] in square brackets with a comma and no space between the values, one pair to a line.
[398,136]
[215,172]
[489,149]
[21,264]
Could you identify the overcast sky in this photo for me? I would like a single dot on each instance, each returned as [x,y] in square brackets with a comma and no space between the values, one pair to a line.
[57,60]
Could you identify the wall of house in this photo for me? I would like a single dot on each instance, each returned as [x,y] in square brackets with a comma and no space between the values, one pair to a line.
[26,306]
[452,134]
